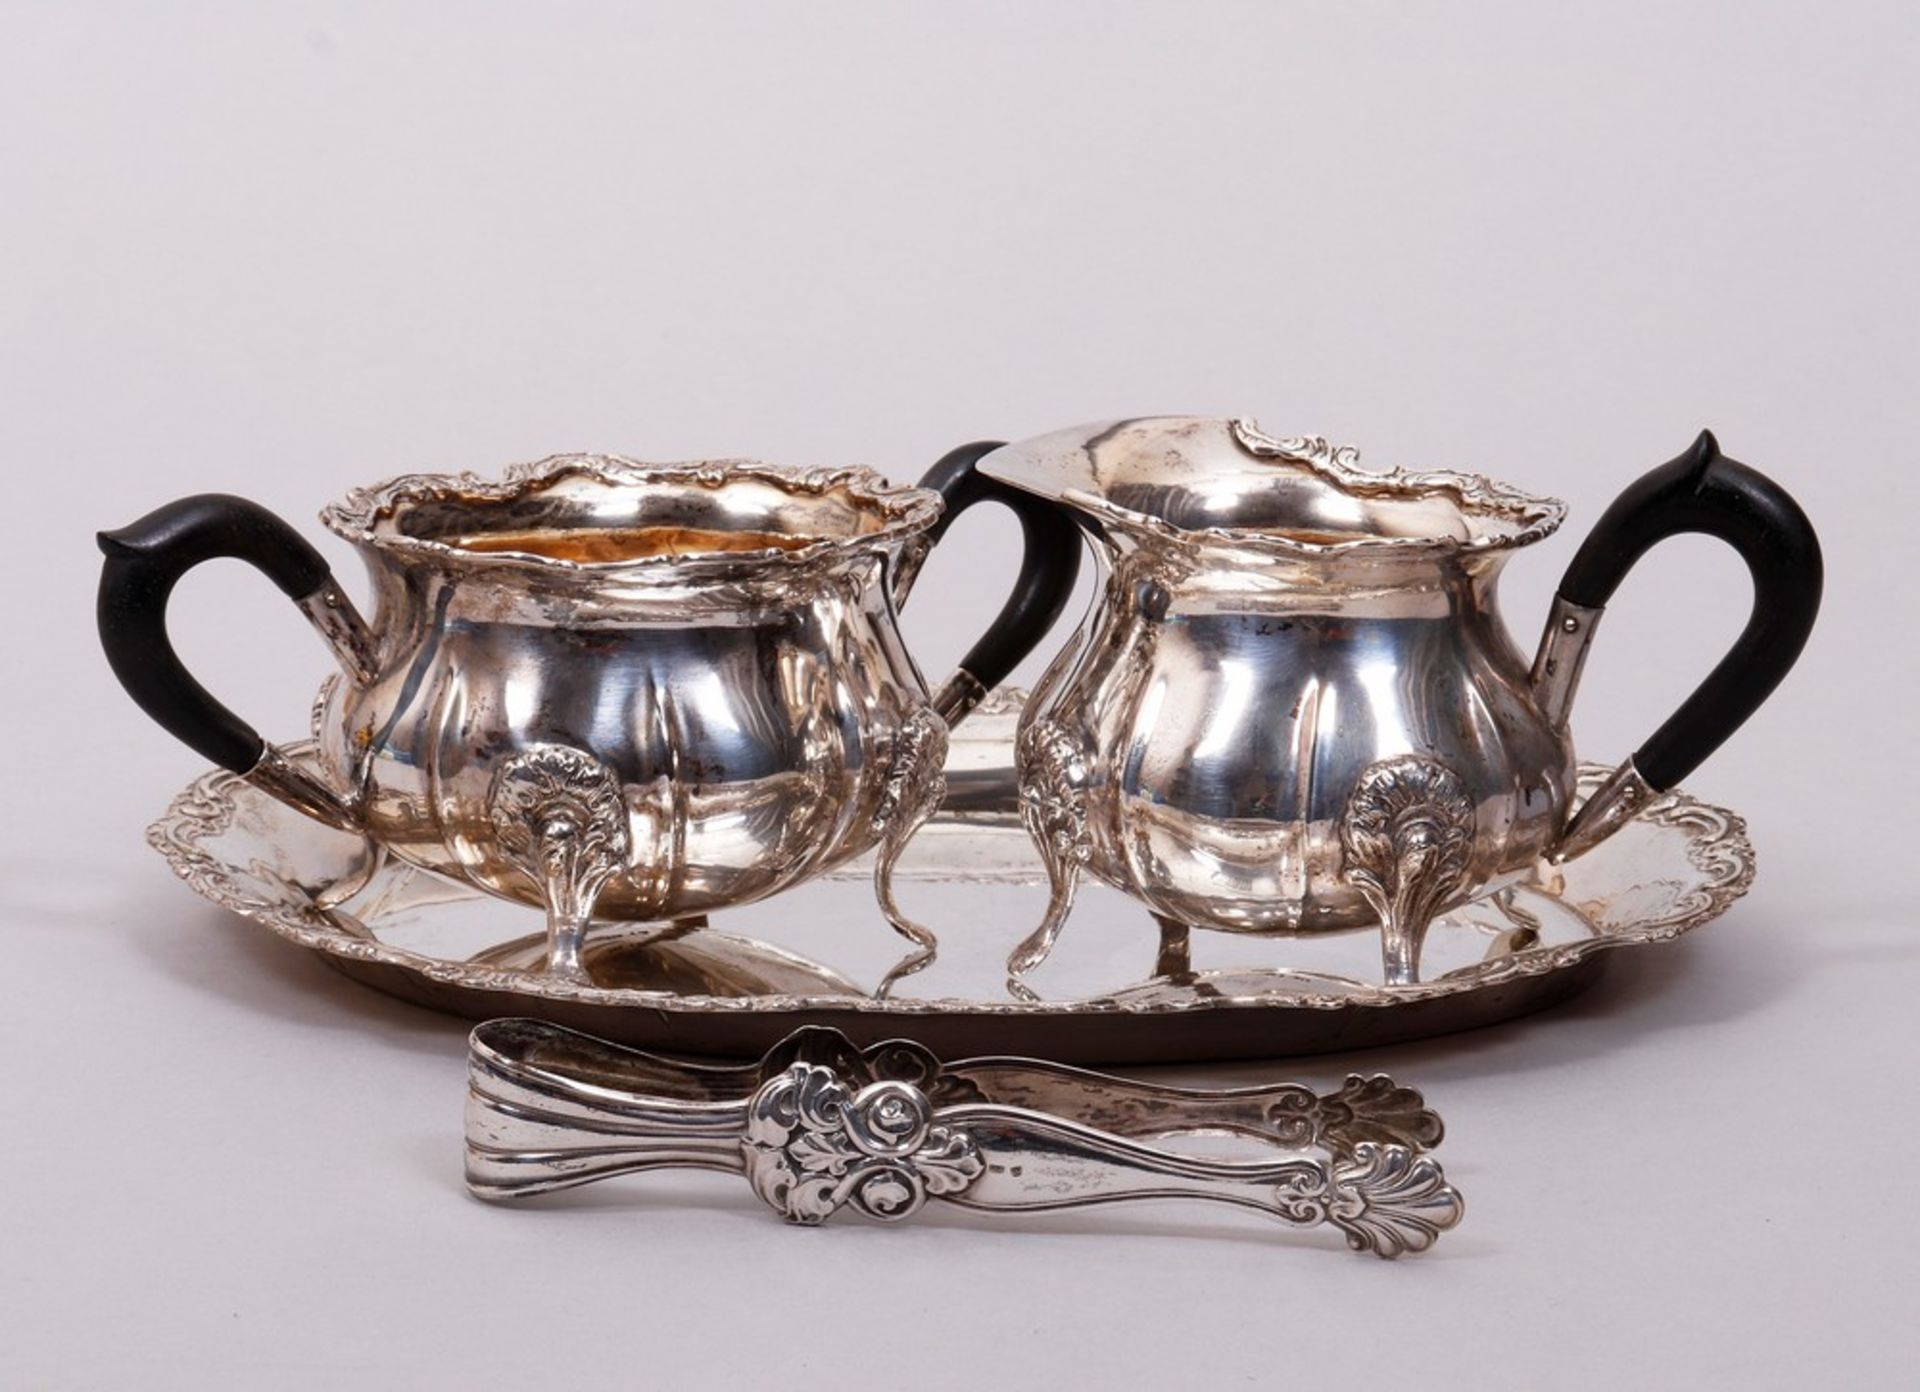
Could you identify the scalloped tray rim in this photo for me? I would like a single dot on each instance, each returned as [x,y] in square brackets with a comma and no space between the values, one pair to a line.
[1718,846]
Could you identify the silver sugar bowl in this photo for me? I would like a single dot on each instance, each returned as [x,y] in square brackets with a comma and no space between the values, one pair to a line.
[606,688]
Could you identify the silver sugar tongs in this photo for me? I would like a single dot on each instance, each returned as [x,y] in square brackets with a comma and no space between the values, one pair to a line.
[819,1123]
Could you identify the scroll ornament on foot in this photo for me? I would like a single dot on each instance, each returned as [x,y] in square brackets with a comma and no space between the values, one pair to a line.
[915,786]
[1406,839]
[1053,771]
[560,818]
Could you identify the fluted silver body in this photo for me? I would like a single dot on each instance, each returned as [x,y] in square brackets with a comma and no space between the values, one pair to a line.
[1224,724]
[1293,706]
[694,725]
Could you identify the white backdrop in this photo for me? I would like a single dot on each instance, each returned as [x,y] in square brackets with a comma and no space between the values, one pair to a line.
[283,249]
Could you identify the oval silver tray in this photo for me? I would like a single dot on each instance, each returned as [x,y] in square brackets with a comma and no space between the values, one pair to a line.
[1114,990]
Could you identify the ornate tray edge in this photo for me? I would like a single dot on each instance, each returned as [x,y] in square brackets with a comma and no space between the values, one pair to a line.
[1717,845]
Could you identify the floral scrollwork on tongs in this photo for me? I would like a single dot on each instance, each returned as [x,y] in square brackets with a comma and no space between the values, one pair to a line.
[820,1125]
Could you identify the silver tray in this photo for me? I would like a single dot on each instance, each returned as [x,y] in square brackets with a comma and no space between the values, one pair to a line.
[1116,989]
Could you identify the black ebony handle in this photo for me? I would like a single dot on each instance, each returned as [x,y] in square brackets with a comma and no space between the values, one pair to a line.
[1049,561]
[1704,491]
[144,562]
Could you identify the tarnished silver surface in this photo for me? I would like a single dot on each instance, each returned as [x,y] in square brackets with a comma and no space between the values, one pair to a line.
[560,819]
[819,1125]
[959,694]
[1273,625]
[1561,658]
[974,876]
[1053,776]
[1406,839]
[346,634]
[1611,806]
[623,691]
[294,780]
[915,786]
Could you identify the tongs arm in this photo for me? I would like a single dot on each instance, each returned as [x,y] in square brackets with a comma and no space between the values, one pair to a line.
[1366,1108]
[828,1126]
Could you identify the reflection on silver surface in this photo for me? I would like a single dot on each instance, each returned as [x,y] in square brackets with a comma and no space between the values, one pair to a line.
[974,876]
[819,1125]
[1275,627]
[623,691]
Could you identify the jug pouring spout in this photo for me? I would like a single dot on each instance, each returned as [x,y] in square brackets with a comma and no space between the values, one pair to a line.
[1201,481]
[1295,707]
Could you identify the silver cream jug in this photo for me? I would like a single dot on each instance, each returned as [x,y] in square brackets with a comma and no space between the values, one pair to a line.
[631,691]
[1295,707]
